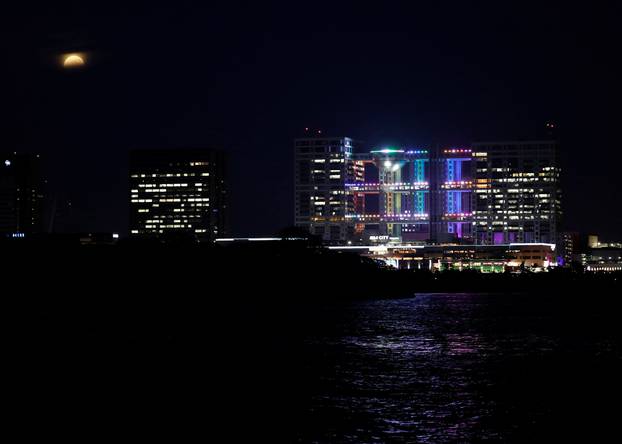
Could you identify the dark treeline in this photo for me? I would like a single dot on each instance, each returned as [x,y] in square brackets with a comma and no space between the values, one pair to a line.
[267,270]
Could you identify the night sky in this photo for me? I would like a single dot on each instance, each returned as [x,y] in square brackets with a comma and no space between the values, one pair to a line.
[249,78]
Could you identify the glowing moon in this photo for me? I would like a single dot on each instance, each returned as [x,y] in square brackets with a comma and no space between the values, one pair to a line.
[73,61]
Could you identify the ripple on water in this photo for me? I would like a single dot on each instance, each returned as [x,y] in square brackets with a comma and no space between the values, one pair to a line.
[437,368]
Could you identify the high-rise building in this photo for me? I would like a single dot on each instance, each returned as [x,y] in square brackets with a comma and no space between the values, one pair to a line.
[568,246]
[21,196]
[517,192]
[323,167]
[453,176]
[393,201]
[491,193]
[178,192]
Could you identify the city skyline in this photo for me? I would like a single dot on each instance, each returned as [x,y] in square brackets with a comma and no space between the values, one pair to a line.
[49,211]
[493,193]
[157,76]
[311,222]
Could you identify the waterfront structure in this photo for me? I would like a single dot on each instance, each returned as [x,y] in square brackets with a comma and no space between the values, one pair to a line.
[21,194]
[483,258]
[517,192]
[178,192]
[489,194]
[603,257]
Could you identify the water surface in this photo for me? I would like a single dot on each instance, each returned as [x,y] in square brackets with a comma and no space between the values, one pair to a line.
[455,368]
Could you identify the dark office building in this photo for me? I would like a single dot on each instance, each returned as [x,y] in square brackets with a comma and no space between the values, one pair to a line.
[178,192]
[21,196]
[568,246]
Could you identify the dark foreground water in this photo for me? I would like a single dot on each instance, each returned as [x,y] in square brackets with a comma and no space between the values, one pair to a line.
[437,368]
[459,368]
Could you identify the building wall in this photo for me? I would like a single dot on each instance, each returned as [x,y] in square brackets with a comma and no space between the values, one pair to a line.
[517,195]
[323,167]
[178,192]
[567,246]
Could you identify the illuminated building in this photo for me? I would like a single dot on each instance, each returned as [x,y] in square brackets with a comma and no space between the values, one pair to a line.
[453,179]
[592,241]
[484,258]
[21,198]
[517,192]
[604,257]
[397,181]
[178,192]
[323,167]
[489,194]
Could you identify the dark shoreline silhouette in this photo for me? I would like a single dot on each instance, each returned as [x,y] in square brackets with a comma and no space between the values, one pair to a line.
[291,270]
[166,340]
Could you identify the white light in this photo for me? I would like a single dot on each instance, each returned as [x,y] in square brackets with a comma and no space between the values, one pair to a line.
[7,162]
[387,164]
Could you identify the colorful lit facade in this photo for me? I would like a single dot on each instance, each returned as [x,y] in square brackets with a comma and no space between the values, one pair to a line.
[453,176]
[178,192]
[489,194]
[393,202]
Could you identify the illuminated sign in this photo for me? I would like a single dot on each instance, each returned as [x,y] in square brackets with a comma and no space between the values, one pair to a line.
[384,238]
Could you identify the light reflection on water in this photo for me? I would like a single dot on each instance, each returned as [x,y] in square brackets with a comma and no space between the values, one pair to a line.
[437,368]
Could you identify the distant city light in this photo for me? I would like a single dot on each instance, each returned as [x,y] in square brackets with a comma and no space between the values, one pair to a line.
[387,151]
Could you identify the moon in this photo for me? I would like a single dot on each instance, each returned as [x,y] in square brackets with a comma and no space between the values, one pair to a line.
[73,61]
